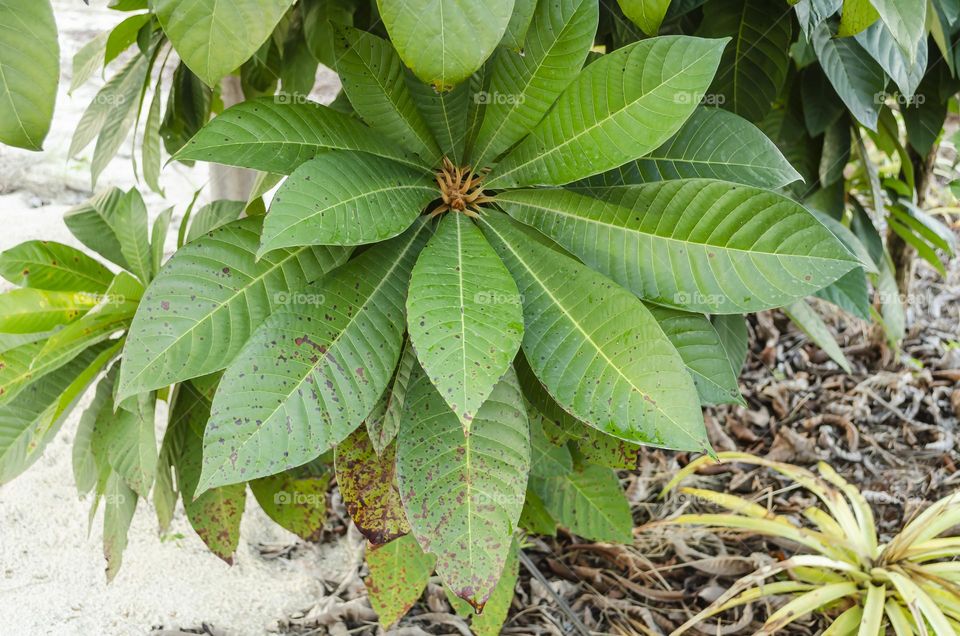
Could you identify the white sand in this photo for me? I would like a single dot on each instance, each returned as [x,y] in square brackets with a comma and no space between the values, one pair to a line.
[52,579]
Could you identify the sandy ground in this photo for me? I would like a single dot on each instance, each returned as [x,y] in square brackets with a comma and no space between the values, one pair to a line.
[51,569]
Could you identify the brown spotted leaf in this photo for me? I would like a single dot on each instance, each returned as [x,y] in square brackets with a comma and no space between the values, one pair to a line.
[315,369]
[399,572]
[368,487]
[490,621]
[214,515]
[297,503]
[464,494]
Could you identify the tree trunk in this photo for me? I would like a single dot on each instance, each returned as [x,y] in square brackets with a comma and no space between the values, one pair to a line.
[227,182]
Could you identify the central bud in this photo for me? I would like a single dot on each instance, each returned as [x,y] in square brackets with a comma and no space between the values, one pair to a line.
[461,190]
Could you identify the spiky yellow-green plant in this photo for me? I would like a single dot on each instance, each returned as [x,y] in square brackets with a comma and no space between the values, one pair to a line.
[911,584]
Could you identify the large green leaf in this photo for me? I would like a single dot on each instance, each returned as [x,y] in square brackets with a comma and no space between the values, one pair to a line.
[712,144]
[464,493]
[314,370]
[53,266]
[373,80]
[464,315]
[29,71]
[128,439]
[618,109]
[214,514]
[212,216]
[646,14]
[525,84]
[589,503]
[596,347]
[206,302]
[856,16]
[296,502]
[29,310]
[399,573]
[698,343]
[519,25]
[850,293]
[696,244]
[110,224]
[368,486]
[273,136]
[856,77]
[445,41]
[213,37]
[880,44]
[735,339]
[345,199]
[754,66]
[907,21]
[445,113]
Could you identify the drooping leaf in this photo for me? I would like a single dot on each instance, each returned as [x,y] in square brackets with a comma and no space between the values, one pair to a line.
[383,423]
[88,60]
[368,486]
[121,503]
[803,315]
[880,44]
[158,238]
[445,41]
[546,458]
[28,310]
[490,621]
[30,63]
[373,79]
[698,245]
[596,348]
[399,573]
[85,470]
[189,105]
[128,439]
[295,502]
[206,302]
[214,38]
[619,108]
[755,64]
[150,145]
[464,494]
[856,77]
[712,144]
[464,315]
[53,266]
[836,152]
[314,370]
[698,344]
[215,514]
[646,14]
[735,339]
[345,199]
[589,503]
[523,85]
[906,21]
[535,517]
[272,136]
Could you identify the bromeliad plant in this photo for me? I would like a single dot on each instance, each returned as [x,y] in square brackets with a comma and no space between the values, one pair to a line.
[910,585]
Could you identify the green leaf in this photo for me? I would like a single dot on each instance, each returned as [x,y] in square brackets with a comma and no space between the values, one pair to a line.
[546,458]
[519,25]
[618,109]
[596,348]
[906,21]
[123,36]
[128,437]
[345,199]
[210,297]
[132,227]
[464,315]
[296,502]
[535,518]
[120,112]
[399,573]
[494,615]
[373,78]
[712,144]
[88,60]
[150,145]
[85,469]
[121,503]
[31,420]
[29,72]
[836,152]
[368,486]
[97,223]
[735,339]
[524,85]
[276,136]
[214,38]
[189,105]
[804,317]
[696,244]
[158,239]
[464,494]
[755,65]
[314,370]
[445,41]
[856,77]
[53,266]
[109,101]
[856,16]
[589,503]
[212,216]
[879,43]
[383,423]
[646,14]
[29,310]
[445,114]
[849,293]
[698,344]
